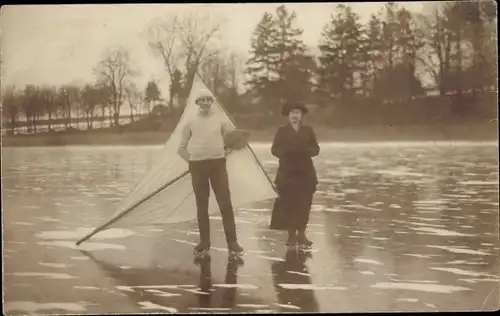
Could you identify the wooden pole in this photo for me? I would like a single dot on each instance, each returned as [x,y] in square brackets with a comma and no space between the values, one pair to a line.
[114,219]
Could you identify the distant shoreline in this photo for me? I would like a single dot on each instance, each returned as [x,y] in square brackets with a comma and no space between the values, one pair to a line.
[486,132]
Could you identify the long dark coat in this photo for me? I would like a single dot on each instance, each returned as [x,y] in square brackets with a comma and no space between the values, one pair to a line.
[296,178]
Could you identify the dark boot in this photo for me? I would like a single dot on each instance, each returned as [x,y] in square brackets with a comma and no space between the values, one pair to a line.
[292,238]
[235,250]
[303,241]
[202,248]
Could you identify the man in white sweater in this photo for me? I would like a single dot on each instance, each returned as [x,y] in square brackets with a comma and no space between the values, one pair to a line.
[202,146]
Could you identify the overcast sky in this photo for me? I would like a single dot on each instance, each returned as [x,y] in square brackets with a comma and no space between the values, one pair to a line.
[62,43]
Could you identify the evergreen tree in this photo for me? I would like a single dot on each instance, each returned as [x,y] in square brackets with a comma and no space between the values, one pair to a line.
[341,60]
[279,68]
[295,67]
[259,69]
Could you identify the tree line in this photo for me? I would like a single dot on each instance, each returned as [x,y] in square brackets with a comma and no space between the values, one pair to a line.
[72,104]
[383,61]
[380,61]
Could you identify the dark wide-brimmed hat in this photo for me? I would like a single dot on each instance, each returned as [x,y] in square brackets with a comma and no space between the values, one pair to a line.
[289,106]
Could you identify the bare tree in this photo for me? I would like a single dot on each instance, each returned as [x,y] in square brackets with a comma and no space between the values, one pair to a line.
[184,42]
[115,71]
[11,103]
[48,96]
[134,99]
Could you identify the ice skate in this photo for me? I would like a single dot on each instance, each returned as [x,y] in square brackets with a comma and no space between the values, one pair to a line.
[235,251]
[291,242]
[201,250]
[304,243]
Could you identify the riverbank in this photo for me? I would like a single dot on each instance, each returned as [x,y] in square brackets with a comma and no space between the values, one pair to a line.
[487,132]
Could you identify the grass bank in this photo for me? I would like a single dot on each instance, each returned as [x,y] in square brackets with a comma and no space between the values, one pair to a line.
[485,132]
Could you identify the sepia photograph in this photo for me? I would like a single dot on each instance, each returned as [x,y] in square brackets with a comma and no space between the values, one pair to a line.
[333,157]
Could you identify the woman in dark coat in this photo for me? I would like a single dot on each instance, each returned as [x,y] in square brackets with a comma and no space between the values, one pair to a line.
[294,145]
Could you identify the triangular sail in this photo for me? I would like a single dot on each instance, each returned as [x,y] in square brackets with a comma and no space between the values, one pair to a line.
[165,194]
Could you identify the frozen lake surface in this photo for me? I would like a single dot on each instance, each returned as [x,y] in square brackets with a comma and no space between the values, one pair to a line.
[395,226]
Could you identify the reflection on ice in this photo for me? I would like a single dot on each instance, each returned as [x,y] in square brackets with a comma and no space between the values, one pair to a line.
[153,306]
[310,287]
[287,306]
[78,287]
[88,246]
[369,261]
[440,232]
[411,300]
[462,272]
[54,265]
[352,200]
[33,307]
[435,288]
[59,276]
[162,293]
[75,234]
[460,250]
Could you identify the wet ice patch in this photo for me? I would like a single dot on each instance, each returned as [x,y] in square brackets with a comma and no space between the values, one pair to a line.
[79,287]
[257,209]
[419,224]
[440,232]
[287,306]
[155,230]
[460,250]
[290,286]
[299,273]
[112,233]
[272,258]
[462,272]
[394,206]
[162,293]
[430,202]
[411,300]
[17,242]
[252,305]
[153,306]
[237,286]
[367,272]
[23,223]
[473,281]
[214,309]
[337,210]
[54,265]
[471,182]
[425,219]
[88,246]
[58,276]
[465,262]
[433,288]
[163,286]
[369,261]
[32,307]
[417,255]
[48,219]
[185,242]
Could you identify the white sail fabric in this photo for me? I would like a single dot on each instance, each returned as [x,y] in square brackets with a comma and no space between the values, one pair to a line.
[174,201]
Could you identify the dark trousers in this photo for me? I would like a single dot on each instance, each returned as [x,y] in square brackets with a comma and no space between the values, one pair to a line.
[206,173]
